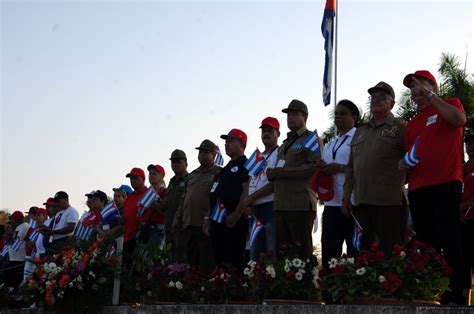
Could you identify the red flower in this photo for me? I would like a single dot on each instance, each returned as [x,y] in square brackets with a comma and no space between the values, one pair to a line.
[397,249]
[417,245]
[362,258]
[322,273]
[64,281]
[393,283]
[290,274]
[339,270]
[446,269]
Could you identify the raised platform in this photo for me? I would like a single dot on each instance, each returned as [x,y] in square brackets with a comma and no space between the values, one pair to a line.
[271,309]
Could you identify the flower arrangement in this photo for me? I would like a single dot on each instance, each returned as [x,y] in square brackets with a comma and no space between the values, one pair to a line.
[290,278]
[72,273]
[413,273]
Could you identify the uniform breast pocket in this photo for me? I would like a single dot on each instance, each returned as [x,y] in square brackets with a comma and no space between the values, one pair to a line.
[357,146]
[387,147]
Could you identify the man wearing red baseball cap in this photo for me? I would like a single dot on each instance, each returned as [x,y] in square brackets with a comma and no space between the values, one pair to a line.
[229,237]
[435,186]
[14,276]
[151,219]
[259,201]
[130,210]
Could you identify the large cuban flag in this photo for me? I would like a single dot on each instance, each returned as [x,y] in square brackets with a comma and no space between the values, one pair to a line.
[327,29]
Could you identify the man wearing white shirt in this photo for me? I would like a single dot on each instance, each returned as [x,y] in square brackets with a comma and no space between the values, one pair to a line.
[65,220]
[260,191]
[337,228]
[14,275]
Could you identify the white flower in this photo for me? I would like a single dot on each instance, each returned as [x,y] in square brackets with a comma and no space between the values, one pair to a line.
[271,271]
[287,262]
[171,284]
[297,262]
[332,263]
[299,276]
[252,264]
[286,268]
[149,277]
[222,276]
[402,254]
[302,271]
[148,293]
[245,285]
[91,274]
[179,285]
[350,260]
[361,271]
[246,271]
[382,279]
[79,278]
[203,289]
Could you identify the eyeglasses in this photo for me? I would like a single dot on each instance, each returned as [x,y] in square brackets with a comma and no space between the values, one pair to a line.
[378,98]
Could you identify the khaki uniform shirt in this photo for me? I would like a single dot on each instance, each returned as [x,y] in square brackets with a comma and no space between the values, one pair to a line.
[174,194]
[292,190]
[372,172]
[195,204]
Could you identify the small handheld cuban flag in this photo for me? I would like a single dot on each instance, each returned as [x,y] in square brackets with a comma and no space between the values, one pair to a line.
[357,236]
[255,163]
[411,159]
[219,160]
[33,234]
[147,199]
[17,244]
[312,142]
[108,210]
[6,248]
[256,227]
[218,212]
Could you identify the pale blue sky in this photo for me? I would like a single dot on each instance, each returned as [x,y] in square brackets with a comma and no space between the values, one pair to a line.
[89,90]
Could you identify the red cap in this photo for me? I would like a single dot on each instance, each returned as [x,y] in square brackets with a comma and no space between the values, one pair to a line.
[136,172]
[158,168]
[41,211]
[17,215]
[407,81]
[323,185]
[50,201]
[271,122]
[236,133]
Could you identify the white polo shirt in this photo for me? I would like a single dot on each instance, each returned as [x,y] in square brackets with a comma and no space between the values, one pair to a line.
[62,219]
[21,231]
[337,151]
[258,182]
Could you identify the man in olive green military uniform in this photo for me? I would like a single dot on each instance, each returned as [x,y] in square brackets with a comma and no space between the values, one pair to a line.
[195,206]
[294,200]
[179,165]
[373,174]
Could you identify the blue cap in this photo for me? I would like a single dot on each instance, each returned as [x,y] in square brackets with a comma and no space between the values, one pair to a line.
[124,187]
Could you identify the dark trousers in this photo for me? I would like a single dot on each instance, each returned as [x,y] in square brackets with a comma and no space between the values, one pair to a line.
[294,228]
[228,244]
[14,274]
[198,248]
[435,213]
[177,242]
[336,228]
[467,234]
[386,224]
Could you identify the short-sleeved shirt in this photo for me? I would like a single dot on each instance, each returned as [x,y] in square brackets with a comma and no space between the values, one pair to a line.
[130,210]
[175,190]
[110,216]
[373,173]
[195,205]
[292,190]
[18,255]
[439,147]
[258,182]
[62,219]
[468,192]
[338,151]
[228,186]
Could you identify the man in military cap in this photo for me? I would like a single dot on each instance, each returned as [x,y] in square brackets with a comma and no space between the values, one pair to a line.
[176,186]
[194,207]
[373,174]
[294,201]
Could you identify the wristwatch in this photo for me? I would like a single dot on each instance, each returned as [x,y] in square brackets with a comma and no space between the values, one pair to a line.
[431,94]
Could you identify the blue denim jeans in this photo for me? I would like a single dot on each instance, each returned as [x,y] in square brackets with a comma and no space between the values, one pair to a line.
[266,238]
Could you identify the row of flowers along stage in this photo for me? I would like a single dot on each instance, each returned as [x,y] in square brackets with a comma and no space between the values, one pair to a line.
[81,278]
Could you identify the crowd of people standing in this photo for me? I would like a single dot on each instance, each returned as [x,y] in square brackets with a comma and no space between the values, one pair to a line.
[218,215]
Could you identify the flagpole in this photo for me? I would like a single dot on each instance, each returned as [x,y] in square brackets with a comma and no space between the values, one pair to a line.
[335,63]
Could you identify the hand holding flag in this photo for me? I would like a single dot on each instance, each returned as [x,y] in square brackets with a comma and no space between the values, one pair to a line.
[357,236]
[218,212]
[255,163]
[256,227]
[147,199]
[411,159]
[312,142]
